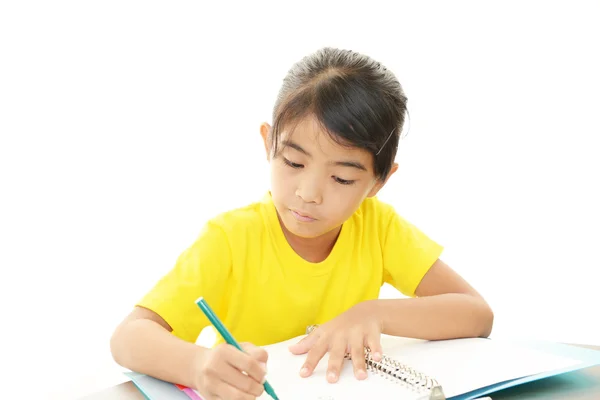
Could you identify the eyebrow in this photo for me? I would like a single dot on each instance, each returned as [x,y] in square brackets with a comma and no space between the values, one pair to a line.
[297,147]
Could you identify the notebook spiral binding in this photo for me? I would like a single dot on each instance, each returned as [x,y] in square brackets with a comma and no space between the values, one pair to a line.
[393,369]
[410,378]
[396,371]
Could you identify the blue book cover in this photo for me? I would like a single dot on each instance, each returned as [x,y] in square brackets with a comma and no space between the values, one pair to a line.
[588,358]
[155,389]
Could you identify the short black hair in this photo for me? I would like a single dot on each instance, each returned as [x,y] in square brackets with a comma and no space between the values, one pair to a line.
[358,101]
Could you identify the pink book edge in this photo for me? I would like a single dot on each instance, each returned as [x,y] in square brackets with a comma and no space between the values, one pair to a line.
[191,393]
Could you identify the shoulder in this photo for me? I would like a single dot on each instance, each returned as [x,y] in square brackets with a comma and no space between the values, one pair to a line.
[372,220]
[375,207]
[221,239]
[381,218]
[376,213]
[249,216]
[239,222]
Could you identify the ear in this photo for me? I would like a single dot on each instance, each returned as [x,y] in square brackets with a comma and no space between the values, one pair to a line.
[381,183]
[265,128]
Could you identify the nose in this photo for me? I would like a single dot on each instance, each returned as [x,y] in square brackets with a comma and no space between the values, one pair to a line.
[310,191]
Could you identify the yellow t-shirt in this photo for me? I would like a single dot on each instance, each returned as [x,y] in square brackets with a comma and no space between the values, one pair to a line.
[264,292]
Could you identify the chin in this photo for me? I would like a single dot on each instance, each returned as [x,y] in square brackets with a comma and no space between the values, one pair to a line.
[306,231]
[302,231]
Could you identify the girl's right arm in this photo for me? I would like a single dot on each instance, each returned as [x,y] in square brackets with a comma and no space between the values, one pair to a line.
[143,343]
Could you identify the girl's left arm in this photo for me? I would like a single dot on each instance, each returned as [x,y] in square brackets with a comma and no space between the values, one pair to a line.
[445,307]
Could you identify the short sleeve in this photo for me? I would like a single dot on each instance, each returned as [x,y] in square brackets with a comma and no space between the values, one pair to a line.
[407,254]
[201,270]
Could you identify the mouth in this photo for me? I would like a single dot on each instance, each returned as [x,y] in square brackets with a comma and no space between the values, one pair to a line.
[302,217]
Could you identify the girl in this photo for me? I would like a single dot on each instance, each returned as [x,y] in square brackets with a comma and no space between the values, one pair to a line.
[314,251]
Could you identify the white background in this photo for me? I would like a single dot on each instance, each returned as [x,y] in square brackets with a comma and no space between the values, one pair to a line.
[126,124]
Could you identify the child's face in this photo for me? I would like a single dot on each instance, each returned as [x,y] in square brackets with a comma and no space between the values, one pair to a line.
[317,184]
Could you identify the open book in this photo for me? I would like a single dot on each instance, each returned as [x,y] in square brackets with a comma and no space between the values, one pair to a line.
[415,370]
[460,369]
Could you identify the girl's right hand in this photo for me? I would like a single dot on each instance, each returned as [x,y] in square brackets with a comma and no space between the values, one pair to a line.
[226,373]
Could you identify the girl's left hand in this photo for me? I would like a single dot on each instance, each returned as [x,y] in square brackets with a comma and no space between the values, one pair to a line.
[350,332]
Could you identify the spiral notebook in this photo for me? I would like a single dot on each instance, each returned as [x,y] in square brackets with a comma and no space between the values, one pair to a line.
[411,369]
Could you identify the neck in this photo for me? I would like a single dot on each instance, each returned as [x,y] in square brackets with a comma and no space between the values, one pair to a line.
[312,249]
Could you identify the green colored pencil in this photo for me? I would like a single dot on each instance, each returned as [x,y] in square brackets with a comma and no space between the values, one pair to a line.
[212,317]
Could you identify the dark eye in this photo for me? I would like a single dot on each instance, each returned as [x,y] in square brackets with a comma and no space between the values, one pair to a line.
[343,181]
[292,164]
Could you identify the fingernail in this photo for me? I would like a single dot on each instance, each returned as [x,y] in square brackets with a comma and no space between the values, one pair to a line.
[304,371]
[332,376]
[377,356]
[361,374]
[263,366]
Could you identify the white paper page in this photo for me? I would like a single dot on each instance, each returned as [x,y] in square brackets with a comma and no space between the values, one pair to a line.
[284,376]
[463,365]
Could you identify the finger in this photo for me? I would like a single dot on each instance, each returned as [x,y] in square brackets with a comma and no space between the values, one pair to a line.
[357,352]
[315,354]
[373,342]
[307,343]
[244,362]
[336,359]
[258,353]
[233,378]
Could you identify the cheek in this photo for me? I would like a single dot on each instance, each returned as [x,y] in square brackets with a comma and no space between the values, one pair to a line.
[280,178]
[344,198]
[344,201]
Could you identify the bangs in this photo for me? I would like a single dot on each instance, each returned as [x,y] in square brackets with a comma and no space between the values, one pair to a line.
[351,113]
[344,108]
